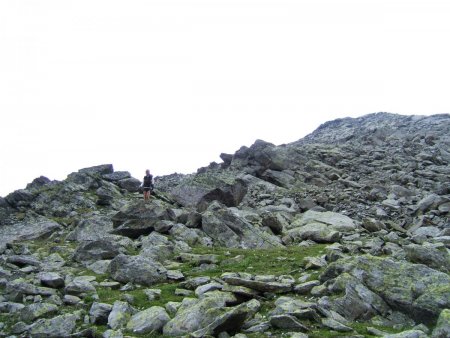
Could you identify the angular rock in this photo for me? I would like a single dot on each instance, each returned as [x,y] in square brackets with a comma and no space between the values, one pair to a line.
[116,176]
[79,287]
[305,288]
[317,232]
[150,320]
[96,250]
[130,184]
[273,287]
[442,329]
[287,322]
[102,169]
[428,255]
[407,334]
[231,321]
[193,283]
[138,219]
[137,269]
[99,312]
[232,231]
[415,289]
[200,190]
[120,315]
[57,327]
[37,310]
[334,220]
[335,325]
[92,228]
[51,279]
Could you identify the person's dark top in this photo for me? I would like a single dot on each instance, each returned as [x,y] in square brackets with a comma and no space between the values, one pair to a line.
[148,181]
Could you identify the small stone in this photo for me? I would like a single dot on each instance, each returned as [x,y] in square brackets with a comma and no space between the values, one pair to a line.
[335,325]
[183,292]
[71,300]
[152,294]
[306,287]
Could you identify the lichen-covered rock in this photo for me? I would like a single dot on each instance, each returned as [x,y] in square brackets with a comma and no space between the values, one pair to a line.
[150,320]
[442,329]
[37,310]
[231,321]
[358,302]
[120,314]
[57,327]
[194,316]
[407,334]
[414,289]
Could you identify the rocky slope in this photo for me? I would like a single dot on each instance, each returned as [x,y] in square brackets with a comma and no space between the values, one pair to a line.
[343,233]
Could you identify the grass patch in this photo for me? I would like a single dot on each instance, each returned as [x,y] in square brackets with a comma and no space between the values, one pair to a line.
[276,261]
[141,302]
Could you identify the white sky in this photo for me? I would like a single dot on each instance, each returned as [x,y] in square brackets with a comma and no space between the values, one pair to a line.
[169,85]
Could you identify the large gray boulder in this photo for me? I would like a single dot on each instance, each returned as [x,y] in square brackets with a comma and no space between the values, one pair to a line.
[194,315]
[137,269]
[39,228]
[91,228]
[317,232]
[19,198]
[200,190]
[96,250]
[130,184]
[228,229]
[140,218]
[231,321]
[333,220]
[433,257]
[209,316]
[415,289]
[102,169]
[357,302]
[150,320]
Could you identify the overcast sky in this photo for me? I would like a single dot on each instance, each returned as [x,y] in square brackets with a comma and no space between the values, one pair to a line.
[169,85]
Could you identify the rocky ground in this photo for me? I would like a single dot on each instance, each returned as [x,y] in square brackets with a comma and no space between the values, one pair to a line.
[343,233]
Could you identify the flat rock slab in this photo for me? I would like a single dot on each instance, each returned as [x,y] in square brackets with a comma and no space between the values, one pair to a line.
[274,287]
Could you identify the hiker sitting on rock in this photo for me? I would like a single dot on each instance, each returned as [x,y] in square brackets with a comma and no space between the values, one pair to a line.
[148,185]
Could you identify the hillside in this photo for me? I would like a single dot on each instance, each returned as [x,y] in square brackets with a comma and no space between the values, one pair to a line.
[342,233]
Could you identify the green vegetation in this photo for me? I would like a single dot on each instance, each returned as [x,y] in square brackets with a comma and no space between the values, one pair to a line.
[277,261]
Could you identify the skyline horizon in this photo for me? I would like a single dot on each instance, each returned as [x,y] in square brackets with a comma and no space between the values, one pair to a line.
[134,173]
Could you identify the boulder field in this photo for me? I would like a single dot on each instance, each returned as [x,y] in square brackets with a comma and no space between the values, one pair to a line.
[344,233]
